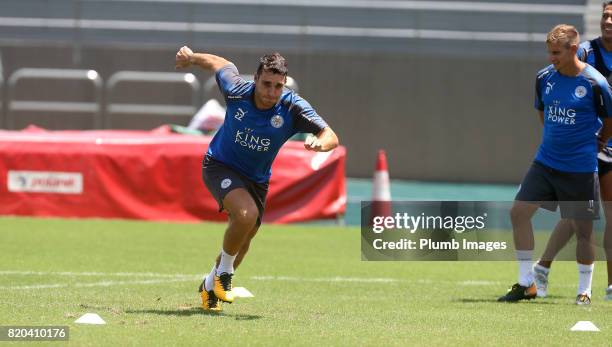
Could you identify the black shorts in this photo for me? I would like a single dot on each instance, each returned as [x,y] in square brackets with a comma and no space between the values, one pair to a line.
[604,161]
[221,179]
[576,193]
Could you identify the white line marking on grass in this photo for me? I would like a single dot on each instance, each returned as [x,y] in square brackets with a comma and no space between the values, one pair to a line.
[34,286]
[495,283]
[328,279]
[98,284]
[479,283]
[119,283]
[69,273]
[168,278]
[190,276]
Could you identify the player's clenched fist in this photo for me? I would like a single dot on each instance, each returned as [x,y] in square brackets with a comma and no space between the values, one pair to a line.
[312,143]
[183,57]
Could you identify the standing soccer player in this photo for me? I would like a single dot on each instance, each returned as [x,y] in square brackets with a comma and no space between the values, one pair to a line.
[571,96]
[261,116]
[597,53]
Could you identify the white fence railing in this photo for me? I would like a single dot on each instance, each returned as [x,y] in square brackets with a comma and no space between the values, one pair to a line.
[102,105]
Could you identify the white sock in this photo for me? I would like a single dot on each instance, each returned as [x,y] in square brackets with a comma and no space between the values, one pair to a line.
[585,278]
[541,268]
[209,282]
[226,264]
[523,257]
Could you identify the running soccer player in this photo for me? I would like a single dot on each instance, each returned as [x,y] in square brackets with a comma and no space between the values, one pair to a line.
[571,96]
[597,53]
[261,116]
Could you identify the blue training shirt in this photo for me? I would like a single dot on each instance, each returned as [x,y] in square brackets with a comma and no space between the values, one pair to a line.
[249,139]
[572,107]
[586,53]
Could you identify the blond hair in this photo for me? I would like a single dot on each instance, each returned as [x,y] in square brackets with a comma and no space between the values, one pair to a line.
[563,33]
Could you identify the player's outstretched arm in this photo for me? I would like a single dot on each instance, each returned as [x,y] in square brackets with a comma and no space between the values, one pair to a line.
[324,141]
[185,57]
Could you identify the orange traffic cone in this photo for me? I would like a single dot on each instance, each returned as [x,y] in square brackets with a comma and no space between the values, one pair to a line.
[381,191]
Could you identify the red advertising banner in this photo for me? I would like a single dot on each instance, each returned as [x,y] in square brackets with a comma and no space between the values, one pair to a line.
[152,175]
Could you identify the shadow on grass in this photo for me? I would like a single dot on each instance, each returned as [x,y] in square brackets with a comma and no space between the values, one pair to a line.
[194,311]
[494,300]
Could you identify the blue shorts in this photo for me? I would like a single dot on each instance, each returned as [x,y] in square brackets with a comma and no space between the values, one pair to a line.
[576,193]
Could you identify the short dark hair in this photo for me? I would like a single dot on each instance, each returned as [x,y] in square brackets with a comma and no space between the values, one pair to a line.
[606,3]
[274,63]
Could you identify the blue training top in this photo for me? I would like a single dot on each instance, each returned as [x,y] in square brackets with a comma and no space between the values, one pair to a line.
[593,53]
[572,107]
[586,53]
[249,139]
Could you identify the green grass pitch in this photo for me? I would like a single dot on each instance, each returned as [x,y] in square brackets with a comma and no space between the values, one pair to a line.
[309,283]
